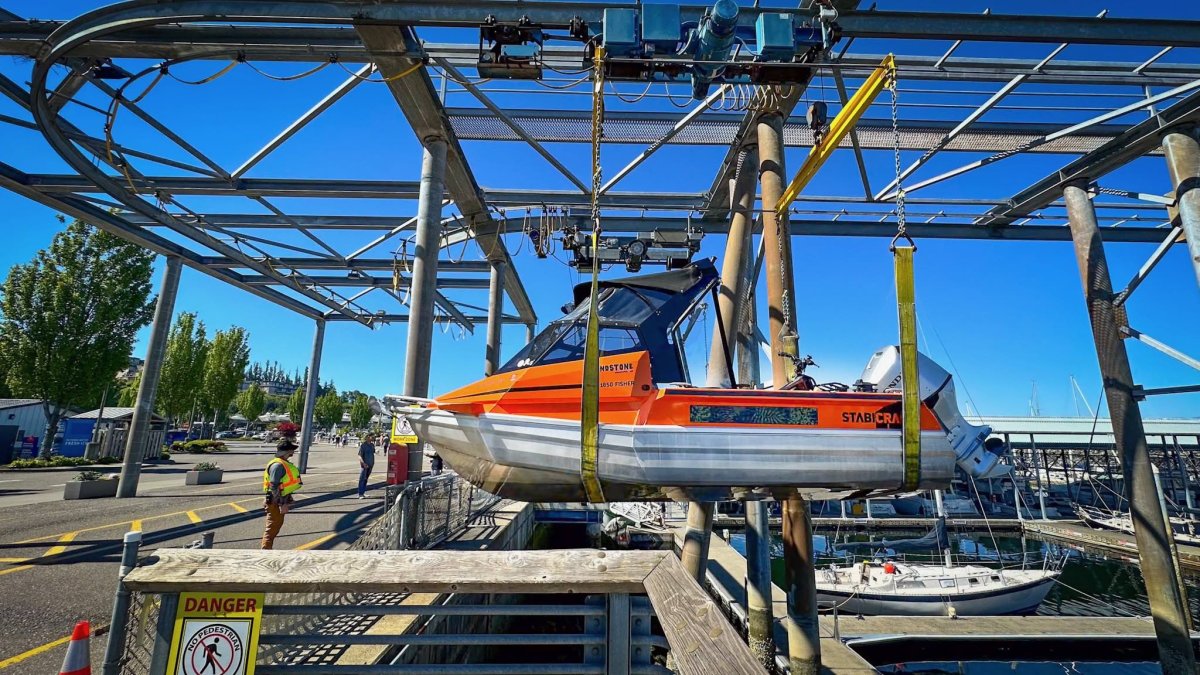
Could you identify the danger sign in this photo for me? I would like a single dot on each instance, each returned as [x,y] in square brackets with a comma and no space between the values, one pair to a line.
[216,634]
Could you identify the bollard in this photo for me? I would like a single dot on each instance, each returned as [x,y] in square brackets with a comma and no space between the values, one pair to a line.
[207,539]
[114,647]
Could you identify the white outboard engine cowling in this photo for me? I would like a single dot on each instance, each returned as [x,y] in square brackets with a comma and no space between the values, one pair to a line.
[970,442]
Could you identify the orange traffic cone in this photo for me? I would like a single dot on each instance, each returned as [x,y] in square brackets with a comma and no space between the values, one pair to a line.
[79,658]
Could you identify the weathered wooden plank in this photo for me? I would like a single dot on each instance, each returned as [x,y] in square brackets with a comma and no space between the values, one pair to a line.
[572,571]
[702,641]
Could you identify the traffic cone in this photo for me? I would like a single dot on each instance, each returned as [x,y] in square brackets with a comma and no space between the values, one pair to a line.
[79,657]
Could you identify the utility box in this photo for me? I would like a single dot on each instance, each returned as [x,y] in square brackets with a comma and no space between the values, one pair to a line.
[661,27]
[776,36]
[620,32]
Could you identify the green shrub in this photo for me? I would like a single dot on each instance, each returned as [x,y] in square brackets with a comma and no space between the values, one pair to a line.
[199,447]
[206,466]
[54,461]
[89,475]
[108,460]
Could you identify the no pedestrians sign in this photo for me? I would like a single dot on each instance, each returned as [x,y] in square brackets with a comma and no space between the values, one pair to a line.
[216,634]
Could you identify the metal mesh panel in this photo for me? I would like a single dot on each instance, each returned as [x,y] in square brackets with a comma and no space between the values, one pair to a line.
[140,630]
[873,134]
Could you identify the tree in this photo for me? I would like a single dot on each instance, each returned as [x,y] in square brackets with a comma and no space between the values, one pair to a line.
[251,404]
[295,406]
[70,318]
[360,412]
[128,396]
[224,368]
[329,409]
[183,366]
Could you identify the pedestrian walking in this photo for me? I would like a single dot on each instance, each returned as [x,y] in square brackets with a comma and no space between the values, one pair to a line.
[366,462]
[281,479]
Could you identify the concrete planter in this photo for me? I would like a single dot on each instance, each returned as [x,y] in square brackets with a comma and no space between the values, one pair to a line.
[204,477]
[90,489]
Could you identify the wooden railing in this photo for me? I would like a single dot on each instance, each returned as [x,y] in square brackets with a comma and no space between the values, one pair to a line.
[699,638]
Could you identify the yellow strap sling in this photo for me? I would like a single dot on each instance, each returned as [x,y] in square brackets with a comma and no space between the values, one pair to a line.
[910,382]
[589,417]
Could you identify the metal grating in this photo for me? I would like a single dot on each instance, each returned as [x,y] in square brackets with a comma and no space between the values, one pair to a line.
[718,129]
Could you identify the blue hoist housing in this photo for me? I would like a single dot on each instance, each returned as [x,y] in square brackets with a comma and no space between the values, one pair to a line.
[652,43]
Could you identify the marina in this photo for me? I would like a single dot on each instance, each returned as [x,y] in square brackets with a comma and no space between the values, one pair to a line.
[642,283]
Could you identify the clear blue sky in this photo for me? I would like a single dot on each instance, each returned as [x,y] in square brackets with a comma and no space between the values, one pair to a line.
[1006,313]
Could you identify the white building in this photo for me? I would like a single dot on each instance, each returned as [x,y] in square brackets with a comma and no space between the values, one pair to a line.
[20,418]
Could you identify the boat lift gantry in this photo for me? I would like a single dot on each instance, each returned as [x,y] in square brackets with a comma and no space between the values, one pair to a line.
[741,74]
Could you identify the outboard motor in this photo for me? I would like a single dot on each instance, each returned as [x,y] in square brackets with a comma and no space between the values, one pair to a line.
[975,454]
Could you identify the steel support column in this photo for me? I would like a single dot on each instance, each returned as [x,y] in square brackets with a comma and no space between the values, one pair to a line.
[1153,536]
[424,284]
[139,425]
[694,552]
[734,287]
[495,318]
[781,296]
[310,395]
[758,584]
[1183,162]
[804,639]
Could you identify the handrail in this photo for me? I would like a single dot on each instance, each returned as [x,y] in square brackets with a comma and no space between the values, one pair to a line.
[692,623]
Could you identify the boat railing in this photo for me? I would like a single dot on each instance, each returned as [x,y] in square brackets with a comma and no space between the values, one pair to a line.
[472,604]
[1048,559]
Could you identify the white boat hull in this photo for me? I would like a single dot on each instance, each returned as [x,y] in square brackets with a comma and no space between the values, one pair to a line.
[1019,596]
[538,459]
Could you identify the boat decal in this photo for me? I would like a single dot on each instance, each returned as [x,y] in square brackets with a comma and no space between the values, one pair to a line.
[737,414]
[776,393]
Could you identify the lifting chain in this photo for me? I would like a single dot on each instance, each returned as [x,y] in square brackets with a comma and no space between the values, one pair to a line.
[901,224]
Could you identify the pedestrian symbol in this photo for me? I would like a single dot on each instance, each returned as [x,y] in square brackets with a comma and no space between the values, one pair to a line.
[216,634]
[402,432]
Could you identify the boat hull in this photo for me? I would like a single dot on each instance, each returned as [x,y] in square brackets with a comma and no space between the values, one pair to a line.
[538,459]
[1013,600]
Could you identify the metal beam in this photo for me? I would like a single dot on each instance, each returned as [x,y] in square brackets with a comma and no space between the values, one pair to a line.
[443,266]
[1133,143]
[420,104]
[290,130]
[365,281]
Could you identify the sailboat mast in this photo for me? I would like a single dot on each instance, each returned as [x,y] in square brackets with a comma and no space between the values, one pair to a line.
[941,514]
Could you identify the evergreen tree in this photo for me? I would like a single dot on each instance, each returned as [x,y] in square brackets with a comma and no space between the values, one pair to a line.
[70,317]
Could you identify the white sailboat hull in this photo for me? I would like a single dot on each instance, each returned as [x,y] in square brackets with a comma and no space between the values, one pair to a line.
[538,458]
[1022,592]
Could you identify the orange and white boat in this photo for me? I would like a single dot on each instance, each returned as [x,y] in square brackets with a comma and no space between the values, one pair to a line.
[517,432]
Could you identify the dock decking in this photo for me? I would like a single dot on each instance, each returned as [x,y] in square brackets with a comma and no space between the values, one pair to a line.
[1081,537]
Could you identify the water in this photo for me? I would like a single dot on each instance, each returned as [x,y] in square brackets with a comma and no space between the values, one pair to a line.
[1091,584]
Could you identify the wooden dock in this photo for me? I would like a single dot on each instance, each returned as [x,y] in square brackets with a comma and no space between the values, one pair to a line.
[730,522]
[1080,537]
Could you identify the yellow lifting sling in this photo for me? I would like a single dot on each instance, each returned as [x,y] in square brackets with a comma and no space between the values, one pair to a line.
[589,414]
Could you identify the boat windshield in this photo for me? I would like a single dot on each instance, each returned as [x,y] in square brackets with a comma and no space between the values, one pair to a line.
[637,314]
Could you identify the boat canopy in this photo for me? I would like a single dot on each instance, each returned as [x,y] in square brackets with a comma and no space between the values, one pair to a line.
[639,313]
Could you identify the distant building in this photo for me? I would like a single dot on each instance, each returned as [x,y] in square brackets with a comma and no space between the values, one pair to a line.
[134,369]
[20,419]
[271,388]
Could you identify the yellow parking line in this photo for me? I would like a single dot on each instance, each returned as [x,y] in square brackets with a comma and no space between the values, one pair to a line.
[123,522]
[238,507]
[194,517]
[33,652]
[13,560]
[10,571]
[61,540]
[316,542]
[136,526]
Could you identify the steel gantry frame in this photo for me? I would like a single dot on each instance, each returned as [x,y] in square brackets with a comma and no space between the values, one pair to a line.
[1081,119]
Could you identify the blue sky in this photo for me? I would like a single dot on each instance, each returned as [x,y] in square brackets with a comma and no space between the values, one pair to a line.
[1001,314]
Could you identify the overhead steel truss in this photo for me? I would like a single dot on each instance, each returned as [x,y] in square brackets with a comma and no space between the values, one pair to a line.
[1118,113]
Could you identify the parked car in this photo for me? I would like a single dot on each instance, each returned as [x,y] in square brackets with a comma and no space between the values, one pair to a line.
[262,435]
[228,434]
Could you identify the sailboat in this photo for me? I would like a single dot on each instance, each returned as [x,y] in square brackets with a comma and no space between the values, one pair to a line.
[1185,530]
[517,432]
[916,589]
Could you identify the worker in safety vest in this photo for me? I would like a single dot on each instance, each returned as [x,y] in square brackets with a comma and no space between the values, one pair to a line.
[280,479]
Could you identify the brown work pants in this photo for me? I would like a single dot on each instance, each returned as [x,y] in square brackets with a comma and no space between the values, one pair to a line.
[275,515]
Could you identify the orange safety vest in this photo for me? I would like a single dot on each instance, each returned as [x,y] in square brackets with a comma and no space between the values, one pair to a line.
[291,481]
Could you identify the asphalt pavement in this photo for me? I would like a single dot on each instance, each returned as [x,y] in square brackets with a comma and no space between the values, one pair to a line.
[59,559]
